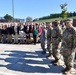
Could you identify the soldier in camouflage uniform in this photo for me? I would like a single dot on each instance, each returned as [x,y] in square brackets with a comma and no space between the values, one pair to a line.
[43,38]
[56,41]
[49,44]
[69,45]
[63,26]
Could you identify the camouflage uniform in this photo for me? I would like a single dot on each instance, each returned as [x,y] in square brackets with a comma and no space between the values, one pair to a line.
[63,27]
[56,41]
[49,44]
[69,43]
[43,40]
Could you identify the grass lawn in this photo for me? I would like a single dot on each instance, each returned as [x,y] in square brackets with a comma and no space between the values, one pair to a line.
[51,20]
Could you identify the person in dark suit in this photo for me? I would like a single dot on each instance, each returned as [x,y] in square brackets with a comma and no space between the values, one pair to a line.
[4,34]
[9,34]
[27,35]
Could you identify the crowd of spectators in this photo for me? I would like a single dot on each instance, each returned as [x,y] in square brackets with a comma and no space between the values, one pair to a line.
[20,33]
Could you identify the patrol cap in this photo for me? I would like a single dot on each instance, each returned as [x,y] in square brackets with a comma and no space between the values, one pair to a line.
[68,20]
[58,21]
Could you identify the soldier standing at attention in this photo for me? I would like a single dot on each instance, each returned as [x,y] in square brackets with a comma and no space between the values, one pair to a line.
[56,41]
[43,39]
[69,45]
[49,44]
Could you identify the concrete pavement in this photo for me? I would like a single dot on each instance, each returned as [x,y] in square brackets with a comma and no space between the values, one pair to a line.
[26,60]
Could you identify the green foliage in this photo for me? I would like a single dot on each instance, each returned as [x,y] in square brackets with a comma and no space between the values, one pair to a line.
[63,6]
[64,10]
[64,14]
[52,20]
[8,17]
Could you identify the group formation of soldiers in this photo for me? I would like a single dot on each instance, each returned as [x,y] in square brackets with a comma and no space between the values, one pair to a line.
[57,36]
[60,36]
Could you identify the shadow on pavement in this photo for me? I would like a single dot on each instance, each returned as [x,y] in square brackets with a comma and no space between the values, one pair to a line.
[29,62]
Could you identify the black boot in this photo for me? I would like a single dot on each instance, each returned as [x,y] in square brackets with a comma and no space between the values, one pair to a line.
[68,71]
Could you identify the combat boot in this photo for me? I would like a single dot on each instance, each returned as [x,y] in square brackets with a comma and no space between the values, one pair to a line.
[57,63]
[65,69]
[49,56]
[68,71]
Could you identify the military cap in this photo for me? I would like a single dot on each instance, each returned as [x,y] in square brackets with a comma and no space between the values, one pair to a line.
[68,20]
[57,21]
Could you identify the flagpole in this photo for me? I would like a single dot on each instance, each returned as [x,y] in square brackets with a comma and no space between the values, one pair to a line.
[13,10]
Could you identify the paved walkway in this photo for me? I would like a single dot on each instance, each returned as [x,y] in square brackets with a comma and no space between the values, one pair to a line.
[26,60]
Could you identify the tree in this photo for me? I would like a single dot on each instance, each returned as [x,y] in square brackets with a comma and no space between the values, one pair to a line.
[70,14]
[64,10]
[8,17]
[74,13]
[28,19]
